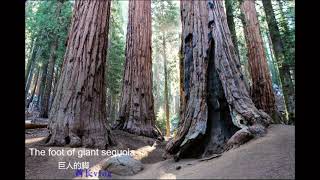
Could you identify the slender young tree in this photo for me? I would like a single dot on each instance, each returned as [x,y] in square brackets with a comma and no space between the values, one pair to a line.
[166,95]
[261,91]
[78,114]
[218,113]
[136,114]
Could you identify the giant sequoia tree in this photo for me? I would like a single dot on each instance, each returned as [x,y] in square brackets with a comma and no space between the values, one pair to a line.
[218,112]
[261,90]
[136,114]
[78,113]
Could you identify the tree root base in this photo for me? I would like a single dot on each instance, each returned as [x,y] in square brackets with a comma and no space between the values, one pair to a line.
[244,135]
[152,132]
[100,140]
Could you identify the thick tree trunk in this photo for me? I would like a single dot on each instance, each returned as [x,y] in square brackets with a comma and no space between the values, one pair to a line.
[261,91]
[166,96]
[217,103]
[78,113]
[136,113]
[278,47]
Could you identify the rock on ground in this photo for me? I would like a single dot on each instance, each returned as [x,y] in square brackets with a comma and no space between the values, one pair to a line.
[123,165]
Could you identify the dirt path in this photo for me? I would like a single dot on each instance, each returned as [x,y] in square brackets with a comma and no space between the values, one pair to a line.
[272,156]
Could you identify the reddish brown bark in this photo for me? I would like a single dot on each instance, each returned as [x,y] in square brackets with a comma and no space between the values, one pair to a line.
[217,102]
[261,90]
[181,81]
[136,114]
[78,113]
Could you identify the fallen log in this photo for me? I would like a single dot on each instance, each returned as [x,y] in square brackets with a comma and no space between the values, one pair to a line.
[29,125]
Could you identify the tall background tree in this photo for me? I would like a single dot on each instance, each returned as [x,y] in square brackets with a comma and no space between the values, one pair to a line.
[136,113]
[78,112]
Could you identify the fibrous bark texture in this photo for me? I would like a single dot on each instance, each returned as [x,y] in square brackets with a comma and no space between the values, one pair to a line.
[181,80]
[136,114]
[217,104]
[78,113]
[261,90]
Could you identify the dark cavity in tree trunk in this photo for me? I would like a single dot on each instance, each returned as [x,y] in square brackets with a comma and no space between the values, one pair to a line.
[218,113]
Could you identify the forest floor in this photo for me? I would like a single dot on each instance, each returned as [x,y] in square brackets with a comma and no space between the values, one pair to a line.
[272,156]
